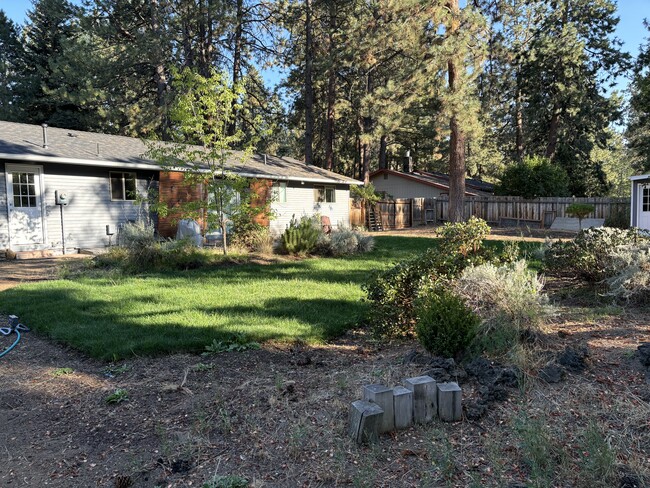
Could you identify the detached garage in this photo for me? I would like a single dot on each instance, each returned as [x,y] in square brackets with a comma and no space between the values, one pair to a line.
[640,203]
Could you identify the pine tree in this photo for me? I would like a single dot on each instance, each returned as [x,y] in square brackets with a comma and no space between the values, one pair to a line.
[10,59]
[638,130]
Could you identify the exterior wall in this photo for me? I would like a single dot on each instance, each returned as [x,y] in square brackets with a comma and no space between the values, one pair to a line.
[174,191]
[4,217]
[301,201]
[634,200]
[90,208]
[399,187]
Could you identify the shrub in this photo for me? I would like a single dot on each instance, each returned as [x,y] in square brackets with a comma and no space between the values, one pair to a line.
[588,255]
[392,292]
[463,237]
[344,242]
[301,236]
[254,237]
[534,177]
[579,211]
[508,299]
[619,217]
[630,274]
[445,325]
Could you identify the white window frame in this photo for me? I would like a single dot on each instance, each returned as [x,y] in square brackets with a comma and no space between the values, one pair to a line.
[321,191]
[125,197]
[280,191]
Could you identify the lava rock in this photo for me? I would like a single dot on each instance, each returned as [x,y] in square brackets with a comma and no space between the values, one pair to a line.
[552,373]
[573,358]
[475,410]
[415,357]
[644,353]
[439,374]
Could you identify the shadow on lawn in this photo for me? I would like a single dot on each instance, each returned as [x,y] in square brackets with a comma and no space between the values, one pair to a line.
[101,331]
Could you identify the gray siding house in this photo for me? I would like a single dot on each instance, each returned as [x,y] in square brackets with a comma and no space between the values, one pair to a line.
[422,184]
[101,176]
[640,202]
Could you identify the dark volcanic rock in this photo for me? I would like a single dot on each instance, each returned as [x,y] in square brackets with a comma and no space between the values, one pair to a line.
[475,410]
[552,373]
[644,353]
[573,358]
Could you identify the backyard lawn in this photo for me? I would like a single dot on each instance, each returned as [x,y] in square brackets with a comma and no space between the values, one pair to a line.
[113,317]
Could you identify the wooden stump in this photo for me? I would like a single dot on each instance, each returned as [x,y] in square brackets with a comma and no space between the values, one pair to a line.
[450,408]
[382,396]
[365,419]
[403,407]
[425,404]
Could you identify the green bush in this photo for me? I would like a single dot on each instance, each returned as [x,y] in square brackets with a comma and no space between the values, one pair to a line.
[534,177]
[619,217]
[301,236]
[588,256]
[465,238]
[579,211]
[445,325]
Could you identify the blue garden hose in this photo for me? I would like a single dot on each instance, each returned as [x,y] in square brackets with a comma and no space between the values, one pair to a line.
[14,327]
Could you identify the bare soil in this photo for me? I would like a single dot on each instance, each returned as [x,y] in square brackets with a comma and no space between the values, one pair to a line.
[278,416]
[497,233]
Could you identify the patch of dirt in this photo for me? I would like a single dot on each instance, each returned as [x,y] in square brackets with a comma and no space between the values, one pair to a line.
[278,416]
[14,272]
[497,233]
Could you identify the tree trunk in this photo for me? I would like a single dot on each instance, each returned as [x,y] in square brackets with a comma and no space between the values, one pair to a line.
[236,61]
[457,140]
[160,75]
[309,88]
[331,91]
[383,158]
[519,134]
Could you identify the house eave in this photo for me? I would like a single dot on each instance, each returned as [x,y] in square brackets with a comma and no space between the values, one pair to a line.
[37,158]
[640,177]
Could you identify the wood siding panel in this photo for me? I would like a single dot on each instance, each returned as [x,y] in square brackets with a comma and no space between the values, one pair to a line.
[174,192]
[397,187]
[90,209]
[301,201]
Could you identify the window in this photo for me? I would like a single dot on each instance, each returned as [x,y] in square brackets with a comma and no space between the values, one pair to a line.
[123,186]
[325,194]
[280,191]
[645,200]
[24,188]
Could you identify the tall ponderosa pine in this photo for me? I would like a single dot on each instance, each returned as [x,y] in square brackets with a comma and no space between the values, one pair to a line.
[10,64]
[638,131]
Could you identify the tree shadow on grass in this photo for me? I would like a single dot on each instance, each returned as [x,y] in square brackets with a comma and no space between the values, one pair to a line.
[91,327]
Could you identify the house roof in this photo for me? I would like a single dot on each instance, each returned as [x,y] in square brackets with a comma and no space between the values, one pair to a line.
[24,143]
[640,177]
[469,182]
[420,178]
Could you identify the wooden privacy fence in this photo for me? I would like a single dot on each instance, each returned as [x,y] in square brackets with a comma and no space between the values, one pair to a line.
[501,211]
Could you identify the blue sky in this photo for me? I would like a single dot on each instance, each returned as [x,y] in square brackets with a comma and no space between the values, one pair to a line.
[630,29]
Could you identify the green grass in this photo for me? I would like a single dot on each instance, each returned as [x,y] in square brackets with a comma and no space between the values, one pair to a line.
[158,313]
[116,316]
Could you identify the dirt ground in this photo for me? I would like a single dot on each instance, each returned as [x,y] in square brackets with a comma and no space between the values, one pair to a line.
[278,416]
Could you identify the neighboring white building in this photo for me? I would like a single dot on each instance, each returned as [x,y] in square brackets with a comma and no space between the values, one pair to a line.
[102,175]
[640,202]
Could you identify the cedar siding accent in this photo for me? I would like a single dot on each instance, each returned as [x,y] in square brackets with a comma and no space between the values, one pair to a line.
[174,191]
[262,190]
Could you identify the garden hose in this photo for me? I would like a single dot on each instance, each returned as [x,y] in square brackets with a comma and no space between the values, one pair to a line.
[14,327]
